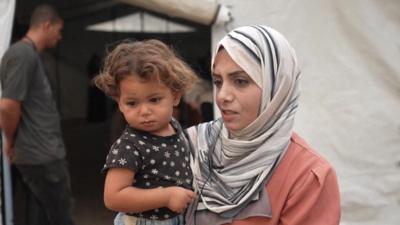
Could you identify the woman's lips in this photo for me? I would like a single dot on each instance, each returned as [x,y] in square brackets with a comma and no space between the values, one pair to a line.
[228,115]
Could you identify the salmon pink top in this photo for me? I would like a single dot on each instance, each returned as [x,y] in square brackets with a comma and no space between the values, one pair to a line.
[302,191]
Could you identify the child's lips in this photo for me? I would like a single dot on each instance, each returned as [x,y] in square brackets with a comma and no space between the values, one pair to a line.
[147,123]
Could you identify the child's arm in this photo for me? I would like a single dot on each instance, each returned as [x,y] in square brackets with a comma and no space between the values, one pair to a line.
[119,195]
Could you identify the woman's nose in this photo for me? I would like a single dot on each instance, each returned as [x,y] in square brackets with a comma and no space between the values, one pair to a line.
[225,94]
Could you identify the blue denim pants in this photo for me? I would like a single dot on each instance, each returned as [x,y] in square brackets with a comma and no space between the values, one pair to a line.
[121,218]
[49,199]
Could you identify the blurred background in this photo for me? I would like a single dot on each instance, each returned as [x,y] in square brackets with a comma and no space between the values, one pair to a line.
[348,52]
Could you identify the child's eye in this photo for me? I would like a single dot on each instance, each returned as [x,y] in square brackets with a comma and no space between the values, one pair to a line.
[131,103]
[155,99]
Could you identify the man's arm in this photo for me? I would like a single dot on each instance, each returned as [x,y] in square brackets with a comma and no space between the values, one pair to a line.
[10,115]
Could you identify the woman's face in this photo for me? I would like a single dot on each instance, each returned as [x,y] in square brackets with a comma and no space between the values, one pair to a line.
[238,97]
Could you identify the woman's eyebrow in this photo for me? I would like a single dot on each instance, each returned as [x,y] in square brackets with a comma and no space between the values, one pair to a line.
[238,72]
[213,74]
[234,73]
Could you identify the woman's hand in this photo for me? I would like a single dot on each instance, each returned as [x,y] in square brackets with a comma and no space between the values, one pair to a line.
[179,198]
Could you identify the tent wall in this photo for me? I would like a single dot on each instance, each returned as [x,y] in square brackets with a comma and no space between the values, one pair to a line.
[350,102]
[200,11]
[7,8]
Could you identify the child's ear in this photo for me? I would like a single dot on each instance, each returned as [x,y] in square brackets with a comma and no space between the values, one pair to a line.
[177,98]
[115,98]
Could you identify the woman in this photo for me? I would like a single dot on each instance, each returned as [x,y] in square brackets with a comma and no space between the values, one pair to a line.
[249,166]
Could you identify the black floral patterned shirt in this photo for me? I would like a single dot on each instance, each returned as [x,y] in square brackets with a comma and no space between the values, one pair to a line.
[155,160]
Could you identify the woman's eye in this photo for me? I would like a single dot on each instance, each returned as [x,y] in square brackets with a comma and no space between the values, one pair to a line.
[241,82]
[217,82]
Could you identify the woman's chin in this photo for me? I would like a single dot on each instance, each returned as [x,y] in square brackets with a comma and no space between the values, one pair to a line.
[232,126]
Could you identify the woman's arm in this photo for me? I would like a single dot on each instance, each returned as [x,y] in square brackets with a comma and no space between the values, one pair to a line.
[121,196]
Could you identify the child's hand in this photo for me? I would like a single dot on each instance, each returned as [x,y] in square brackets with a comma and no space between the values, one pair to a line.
[179,198]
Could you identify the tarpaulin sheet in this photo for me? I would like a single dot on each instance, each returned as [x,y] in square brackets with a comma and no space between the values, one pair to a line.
[349,53]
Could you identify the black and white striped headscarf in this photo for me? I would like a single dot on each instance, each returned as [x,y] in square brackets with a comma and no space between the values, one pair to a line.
[229,173]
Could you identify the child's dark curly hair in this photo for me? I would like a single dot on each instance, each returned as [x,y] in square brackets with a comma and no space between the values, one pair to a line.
[150,60]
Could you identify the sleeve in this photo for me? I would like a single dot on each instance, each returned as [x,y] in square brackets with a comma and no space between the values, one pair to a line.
[123,154]
[17,77]
[315,200]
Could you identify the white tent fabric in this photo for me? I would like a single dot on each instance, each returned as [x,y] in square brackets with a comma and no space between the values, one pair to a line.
[349,52]
[140,22]
[202,11]
[6,20]
[205,12]
[7,8]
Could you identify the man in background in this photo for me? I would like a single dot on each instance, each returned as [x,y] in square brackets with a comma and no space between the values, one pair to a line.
[31,123]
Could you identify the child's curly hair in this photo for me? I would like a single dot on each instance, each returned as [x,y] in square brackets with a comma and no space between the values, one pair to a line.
[151,60]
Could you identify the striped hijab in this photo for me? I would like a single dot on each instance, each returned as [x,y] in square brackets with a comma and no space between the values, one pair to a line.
[229,173]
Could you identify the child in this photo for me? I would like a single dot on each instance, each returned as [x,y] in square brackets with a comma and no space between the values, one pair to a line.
[148,169]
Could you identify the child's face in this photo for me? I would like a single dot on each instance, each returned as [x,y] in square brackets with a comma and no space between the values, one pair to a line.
[147,105]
